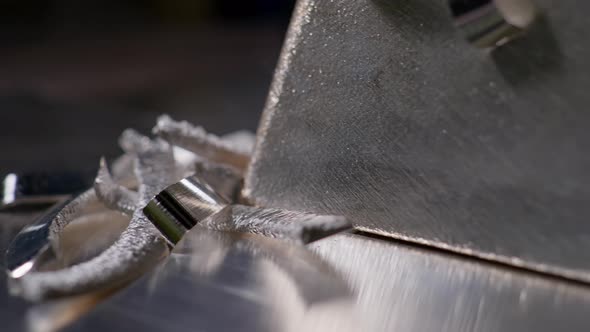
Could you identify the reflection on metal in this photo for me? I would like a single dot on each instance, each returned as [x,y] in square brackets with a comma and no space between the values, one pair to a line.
[219,161]
[31,244]
[174,208]
[137,248]
[364,124]
[407,289]
[181,206]
[40,267]
[488,23]
[191,201]
[256,283]
[37,244]
[241,282]
[380,112]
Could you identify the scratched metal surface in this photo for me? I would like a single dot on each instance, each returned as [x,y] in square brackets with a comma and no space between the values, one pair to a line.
[383,112]
[223,282]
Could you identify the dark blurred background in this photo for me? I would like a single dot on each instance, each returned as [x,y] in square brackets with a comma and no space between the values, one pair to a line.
[74,74]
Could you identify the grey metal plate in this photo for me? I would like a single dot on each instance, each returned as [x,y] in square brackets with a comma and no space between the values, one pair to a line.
[224,282]
[381,111]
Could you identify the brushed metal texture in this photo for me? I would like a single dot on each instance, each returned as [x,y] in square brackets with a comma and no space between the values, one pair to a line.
[382,112]
[217,281]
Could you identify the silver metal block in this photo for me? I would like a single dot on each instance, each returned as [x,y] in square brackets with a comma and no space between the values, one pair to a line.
[382,112]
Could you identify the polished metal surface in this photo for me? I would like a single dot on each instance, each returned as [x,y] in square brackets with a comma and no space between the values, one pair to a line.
[382,112]
[32,244]
[138,246]
[74,245]
[192,201]
[180,206]
[68,234]
[241,282]
[40,244]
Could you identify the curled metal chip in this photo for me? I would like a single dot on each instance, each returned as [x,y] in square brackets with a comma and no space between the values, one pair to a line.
[150,183]
[234,150]
[139,247]
[181,206]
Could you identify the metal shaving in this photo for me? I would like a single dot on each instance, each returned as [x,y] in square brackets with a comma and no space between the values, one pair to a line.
[208,146]
[138,248]
[112,194]
[298,227]
[149,166]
